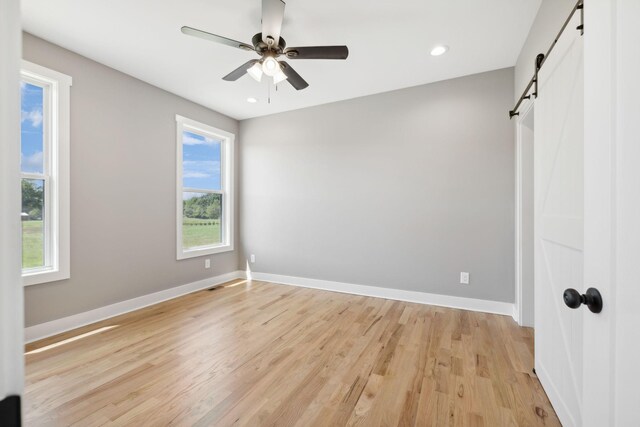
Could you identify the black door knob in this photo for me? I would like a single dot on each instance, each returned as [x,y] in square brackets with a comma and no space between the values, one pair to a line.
[591,299]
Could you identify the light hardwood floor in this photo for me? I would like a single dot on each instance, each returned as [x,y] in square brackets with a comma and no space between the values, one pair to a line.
[260,354]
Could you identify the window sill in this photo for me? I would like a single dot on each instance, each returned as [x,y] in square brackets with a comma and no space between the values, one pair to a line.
[198,252]
[39,277]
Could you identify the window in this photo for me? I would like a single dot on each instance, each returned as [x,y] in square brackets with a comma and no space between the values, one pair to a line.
[44,167]
[205,189]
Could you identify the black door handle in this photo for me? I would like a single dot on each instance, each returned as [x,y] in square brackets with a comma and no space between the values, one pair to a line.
[591,299]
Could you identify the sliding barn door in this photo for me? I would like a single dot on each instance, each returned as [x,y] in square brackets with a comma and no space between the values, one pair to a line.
[559,225]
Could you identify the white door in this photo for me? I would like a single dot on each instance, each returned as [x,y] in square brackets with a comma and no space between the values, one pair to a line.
[559,225]
[586,170]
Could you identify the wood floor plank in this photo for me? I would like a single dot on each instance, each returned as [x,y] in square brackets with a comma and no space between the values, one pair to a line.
[259,354]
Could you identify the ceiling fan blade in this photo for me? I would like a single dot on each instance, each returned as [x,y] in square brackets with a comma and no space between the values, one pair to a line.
[272,15]
[240,71]
[215,38]
[293,77]
[317,52]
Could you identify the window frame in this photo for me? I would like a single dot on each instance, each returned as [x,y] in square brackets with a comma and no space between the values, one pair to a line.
[56,170]
[227,161]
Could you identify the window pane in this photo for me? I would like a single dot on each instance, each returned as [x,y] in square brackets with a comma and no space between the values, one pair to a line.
[201,219]
[31,136]
[201,162]
[32,223]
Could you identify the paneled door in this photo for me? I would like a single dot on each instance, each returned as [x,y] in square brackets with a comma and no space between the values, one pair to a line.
[559,225]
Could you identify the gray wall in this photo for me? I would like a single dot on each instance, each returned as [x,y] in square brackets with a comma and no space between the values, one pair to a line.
[122,189]
[404,189]
[550,17]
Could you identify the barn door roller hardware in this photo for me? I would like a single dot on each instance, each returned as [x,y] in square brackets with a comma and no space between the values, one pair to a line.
[541,58]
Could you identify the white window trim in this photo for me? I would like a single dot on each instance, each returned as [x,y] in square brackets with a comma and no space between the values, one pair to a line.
[56,154]
[227,166]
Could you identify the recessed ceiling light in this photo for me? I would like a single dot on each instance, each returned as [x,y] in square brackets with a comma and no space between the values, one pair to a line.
[252,100]
[439,50]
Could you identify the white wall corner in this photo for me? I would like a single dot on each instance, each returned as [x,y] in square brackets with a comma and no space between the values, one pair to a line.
[515,314]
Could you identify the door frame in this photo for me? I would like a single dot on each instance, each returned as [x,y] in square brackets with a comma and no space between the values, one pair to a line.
[525,109]
[612,203]
[11,290]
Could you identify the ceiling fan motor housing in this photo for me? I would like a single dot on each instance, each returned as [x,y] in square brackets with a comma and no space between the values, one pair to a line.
[262,47]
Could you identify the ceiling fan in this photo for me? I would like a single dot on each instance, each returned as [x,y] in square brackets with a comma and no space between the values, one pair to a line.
[270,46]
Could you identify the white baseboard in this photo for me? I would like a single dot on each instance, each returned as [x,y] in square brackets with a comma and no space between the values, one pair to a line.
[54,327]
[516,314]
[485,306]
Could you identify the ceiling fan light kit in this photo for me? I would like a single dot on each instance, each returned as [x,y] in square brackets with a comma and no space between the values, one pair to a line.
[270,46]
[280,76]
[255,71]
[270,65]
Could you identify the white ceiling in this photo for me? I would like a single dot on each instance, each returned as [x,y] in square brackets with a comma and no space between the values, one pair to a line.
[389,43]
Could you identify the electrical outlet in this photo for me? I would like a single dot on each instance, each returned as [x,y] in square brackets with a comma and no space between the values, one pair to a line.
[207,263]
[252,258]
[464,278]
